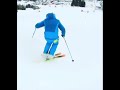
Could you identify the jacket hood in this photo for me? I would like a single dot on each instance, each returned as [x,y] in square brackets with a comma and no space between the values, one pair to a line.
[50,16]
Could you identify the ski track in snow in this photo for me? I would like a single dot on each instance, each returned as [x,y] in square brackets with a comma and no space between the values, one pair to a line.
[84,35]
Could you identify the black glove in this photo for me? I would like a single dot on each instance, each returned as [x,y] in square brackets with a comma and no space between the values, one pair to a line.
[63,35]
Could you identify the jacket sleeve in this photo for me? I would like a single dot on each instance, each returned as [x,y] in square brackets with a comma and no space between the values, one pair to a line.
[40,24]
[61,27]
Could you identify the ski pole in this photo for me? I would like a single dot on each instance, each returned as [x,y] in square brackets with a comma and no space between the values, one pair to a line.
[68,49]
[34,32]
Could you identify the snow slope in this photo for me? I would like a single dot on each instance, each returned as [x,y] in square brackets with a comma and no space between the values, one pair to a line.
[84,35]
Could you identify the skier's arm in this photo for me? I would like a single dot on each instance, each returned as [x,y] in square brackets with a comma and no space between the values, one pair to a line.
[40,24]
[61,27]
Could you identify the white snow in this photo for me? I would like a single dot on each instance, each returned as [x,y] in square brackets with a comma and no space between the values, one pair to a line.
[84,36]
[25,3]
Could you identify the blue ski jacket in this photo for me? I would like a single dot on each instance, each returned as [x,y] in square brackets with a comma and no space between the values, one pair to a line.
[51,27]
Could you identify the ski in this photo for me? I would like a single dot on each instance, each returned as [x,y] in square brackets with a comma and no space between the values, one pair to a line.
[58,55]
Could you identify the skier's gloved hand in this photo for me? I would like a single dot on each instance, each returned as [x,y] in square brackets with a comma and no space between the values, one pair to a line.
[36,26]
[63,35]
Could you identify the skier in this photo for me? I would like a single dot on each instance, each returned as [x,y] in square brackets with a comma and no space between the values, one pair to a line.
[51,25]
